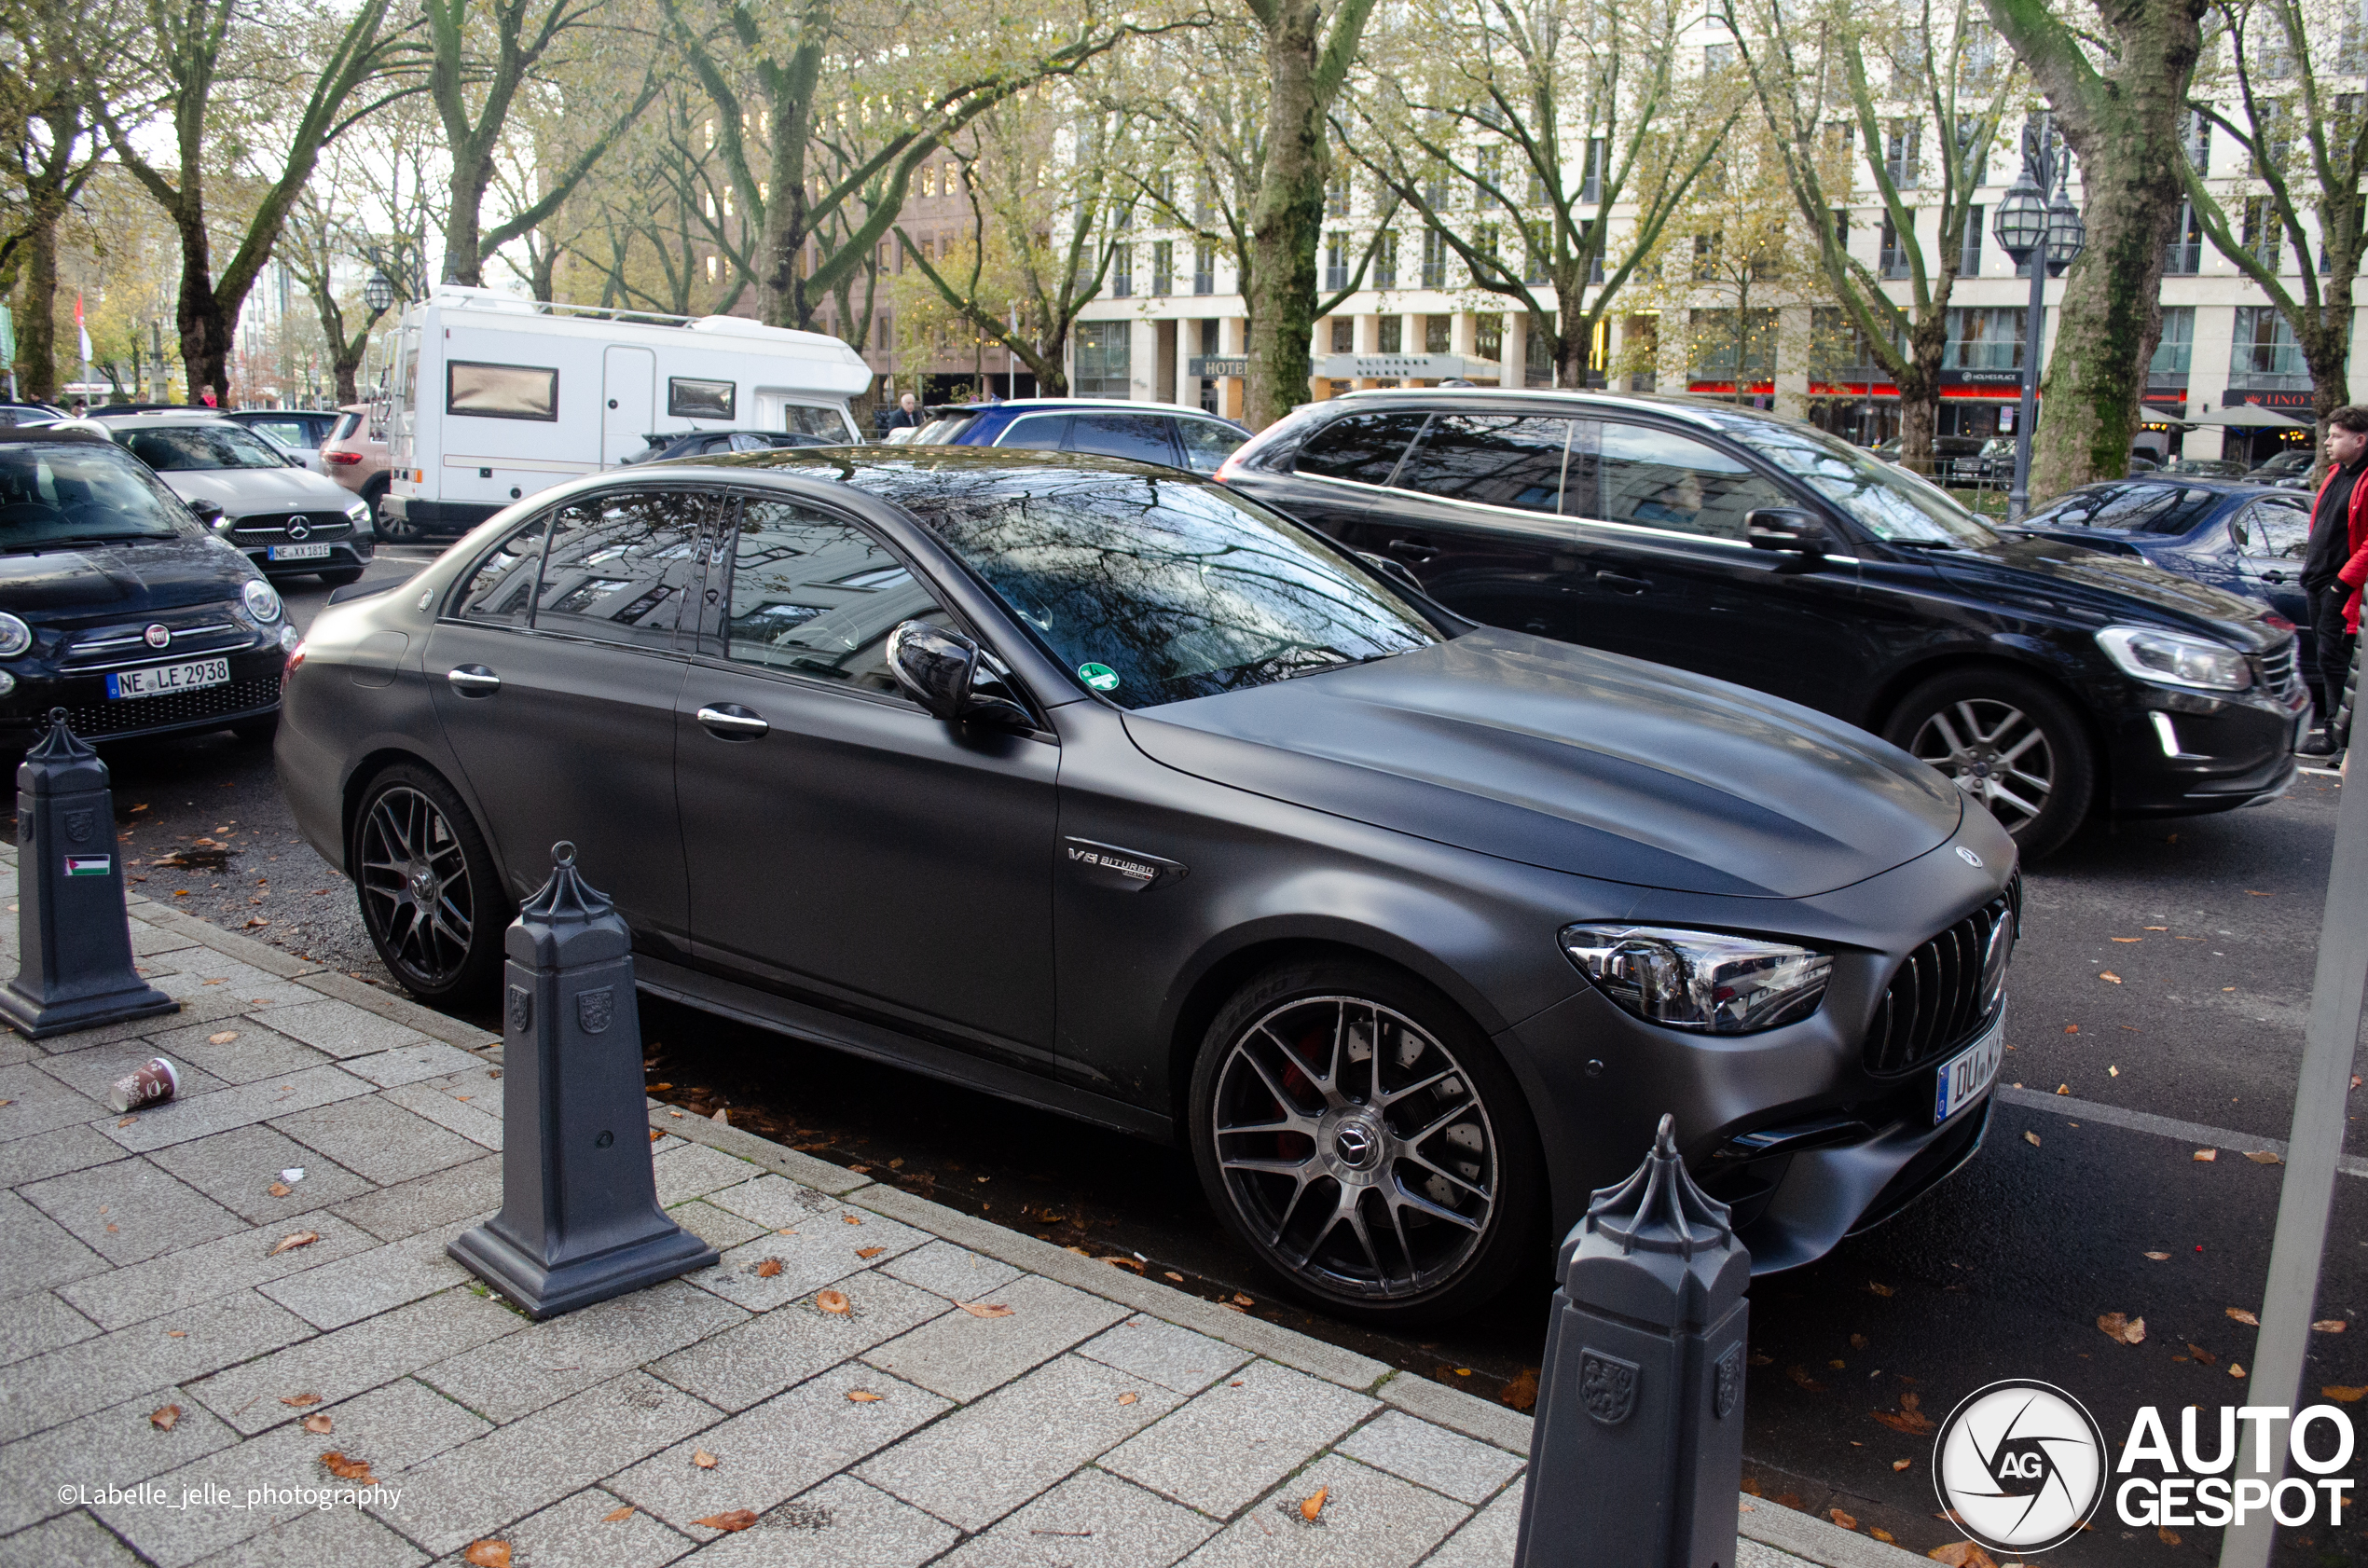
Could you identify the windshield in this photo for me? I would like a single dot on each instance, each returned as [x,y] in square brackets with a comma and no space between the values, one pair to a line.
[184,448]
[77,493]
[1892,504]
[1153,590]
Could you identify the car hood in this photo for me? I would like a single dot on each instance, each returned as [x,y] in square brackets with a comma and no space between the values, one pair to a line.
[1574,760]
[242,491]
[104,582]
[2049,577]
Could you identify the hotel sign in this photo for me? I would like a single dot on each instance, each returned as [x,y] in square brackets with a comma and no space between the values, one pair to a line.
[1209,367]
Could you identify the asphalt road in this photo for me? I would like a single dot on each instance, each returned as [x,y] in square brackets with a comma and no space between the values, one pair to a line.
[2164,973]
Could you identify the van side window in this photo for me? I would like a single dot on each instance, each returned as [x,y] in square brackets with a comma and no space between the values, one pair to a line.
[502,589]
[689,399]
[501,391]
[1363,447]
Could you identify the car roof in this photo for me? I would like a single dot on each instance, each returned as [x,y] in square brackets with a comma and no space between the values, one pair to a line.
[159,419]
[1706,412]
[1026,403]
[2217,483]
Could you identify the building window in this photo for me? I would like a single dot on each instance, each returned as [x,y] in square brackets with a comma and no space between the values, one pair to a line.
[1899,153]
[1490,167]
[1967,130]
[1838,349]
[1591,185]
[2195,134]
[2177,350]
[2263,231]
[1123,272]
[1706,258]
[1984,338]
[1433,259]
[2184,257]
[1336,196]
[1488,336]
[1343,335]
[1892,261]
[1102,360]
[2266,355]
[1536,240]
[1642,336]
[1393,334]
[1717,57]
[1436,334]
[1484,242]
[1969,259]
[1204,268]
[1336,261]
[1725,339]
[1164,268]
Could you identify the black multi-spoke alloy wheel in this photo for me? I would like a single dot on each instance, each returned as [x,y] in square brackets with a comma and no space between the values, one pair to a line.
[1365,1141]
[429,894]
[2010,743]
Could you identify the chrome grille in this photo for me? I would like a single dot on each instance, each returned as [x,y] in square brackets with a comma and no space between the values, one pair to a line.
[128,714]
[2281,669]
[124,644]
[266,527]
[1942,995]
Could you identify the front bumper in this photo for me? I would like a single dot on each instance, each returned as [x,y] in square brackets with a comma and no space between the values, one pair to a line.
[253,691]
[2174,753]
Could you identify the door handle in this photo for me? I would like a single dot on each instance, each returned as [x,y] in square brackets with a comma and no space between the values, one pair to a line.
[731,722]
[1414,549]
[1623,585]
[2273,576]
[473,681]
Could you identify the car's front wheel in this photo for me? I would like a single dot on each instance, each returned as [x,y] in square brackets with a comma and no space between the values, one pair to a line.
[431,898]
[2010,743]
[1363,1139]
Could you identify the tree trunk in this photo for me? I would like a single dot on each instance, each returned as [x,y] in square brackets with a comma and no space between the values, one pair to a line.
[346,365]
[37,319]
[1920,390]
[204,326]
[1285,217]
[462,225]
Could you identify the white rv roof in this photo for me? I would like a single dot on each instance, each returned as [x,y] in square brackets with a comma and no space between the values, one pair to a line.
[825,363]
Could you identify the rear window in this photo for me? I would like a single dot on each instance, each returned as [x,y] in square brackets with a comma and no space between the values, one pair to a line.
[1495,459]
[1142,437]
[1363,447]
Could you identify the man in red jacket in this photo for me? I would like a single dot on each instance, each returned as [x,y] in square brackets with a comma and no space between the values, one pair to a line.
[2336,563]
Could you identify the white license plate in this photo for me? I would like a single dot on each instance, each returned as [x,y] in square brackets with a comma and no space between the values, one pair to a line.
[1964,1076]
[167,679]
[299,552]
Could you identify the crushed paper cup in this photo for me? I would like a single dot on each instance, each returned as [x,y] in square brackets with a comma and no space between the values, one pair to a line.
[150,1085]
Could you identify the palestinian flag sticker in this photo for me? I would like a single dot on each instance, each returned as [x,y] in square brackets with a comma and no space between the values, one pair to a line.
[89,865]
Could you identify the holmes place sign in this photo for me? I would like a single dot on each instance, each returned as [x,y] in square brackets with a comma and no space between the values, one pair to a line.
[1405,367]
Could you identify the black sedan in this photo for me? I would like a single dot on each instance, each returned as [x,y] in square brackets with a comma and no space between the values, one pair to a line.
[117,604]
[2047,682]
[1098,787]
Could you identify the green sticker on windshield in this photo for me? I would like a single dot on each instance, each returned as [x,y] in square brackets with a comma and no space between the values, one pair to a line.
[1102,678]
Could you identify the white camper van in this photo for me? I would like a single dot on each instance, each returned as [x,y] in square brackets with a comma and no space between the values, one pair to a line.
[494,397]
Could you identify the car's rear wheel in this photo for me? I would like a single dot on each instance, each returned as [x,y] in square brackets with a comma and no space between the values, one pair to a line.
[431,898]
[2010,743]
[1363,1139]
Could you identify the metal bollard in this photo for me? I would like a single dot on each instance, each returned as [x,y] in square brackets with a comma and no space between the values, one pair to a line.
[1636,1457]
[580,1220]
[76,964]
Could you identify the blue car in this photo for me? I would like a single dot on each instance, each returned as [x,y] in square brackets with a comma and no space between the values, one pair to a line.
[1161,432]
[2247,538]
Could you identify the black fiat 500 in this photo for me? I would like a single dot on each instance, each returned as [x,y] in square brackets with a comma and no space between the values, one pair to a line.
[2046,679]
[118,605]
[1100,786]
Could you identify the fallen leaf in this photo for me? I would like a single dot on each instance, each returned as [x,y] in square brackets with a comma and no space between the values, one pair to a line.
[863,1396]
[2329,1326]
[2159,1257]
[738,1518]
[2200,1353]
[768,1268]
[1880,1290]
[2120,1326]
[2132,939]
[676,1114]
[176,1333]
[831,1300]
[2264,1157]
[984,1309]
[488,1554]
[655,1134]
[620,1512]
[869,1251]
[656,1087]
[1962,1554]
[2032,1138]
[1171,1273]
[2256,892]
[2235,1370]
[1858,1341]
[1243,1300]
[1901,1464]
[225,1038]
[1118,1262]
[2169,1537]
[320,1424]
[289,1244]
[127,1122]
[1521,1393]
[852,1219]
[2071,1028]
[703,1459]
[1841,1518]
[1802,1381]
[279,1189]
[2241,1316]
[299,1400]
[2109,975]
[1885,1536]
[1126,1398]
[1907,1421]
[2063,1089]
[352,1470]
[2206,1155]
[2346,1396]
[1835,1364]
[162,1419]
[1313,1507]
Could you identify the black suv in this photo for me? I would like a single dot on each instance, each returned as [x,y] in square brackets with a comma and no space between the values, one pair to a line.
[2043,678]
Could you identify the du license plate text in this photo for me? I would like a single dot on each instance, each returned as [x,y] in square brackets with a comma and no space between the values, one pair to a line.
[165,680]
[299,552]
[1965,1075]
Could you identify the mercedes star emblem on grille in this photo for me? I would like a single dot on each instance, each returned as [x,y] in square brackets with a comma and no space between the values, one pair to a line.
[158,636]
[298,527]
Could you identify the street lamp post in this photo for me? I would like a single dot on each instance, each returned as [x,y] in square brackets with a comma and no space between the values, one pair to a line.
[377,292]
[2048,233]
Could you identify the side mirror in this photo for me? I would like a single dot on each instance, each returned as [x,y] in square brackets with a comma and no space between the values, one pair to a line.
[208,512]
[940,668]
[1786,528]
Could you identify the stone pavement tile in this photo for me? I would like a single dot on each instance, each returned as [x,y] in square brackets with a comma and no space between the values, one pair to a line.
[474,1112]
[438,1198]
[205,1009]
[342,1029]
[1240,1438]
[399,1427]
[576,1532]
[253,1051]
[367,1283]
[38,1102]
[77,1379]
[985,1460]
[243,1259]
[1432,1456]
[955,1273]
[840,1523]
[285,1465]
[1091,1520]
[377,1140]
[739,1366]
[91,1072]
[242,988]
[470,1493]
[689,1170]
[410,1064]
[777,1202]
[202,1114]
[770,1453]
[238,1168]
[822,1251]
[52,1153]
[354,1358]
[74,1541]
[719,1230]
[1169,1355]
[15,1048]
[39,1321]
[1748,1553]
[545,1362]
[338,1537]
[1369,1521]
[35,1251]
[962,1357]
[132,1210]
[119,1447]
[1486,1540]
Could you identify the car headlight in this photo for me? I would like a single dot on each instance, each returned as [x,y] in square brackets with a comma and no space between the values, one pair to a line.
[263,600]
[1699,980]
[2171,658]
[15,636]
[290,640]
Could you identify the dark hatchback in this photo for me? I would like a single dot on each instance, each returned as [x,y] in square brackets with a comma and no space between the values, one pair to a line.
[2046,680]
[1098,787]
[117,604]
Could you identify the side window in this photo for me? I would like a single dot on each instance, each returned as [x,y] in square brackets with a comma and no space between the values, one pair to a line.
[1498,460]
[2279,527]
[1142,437]
[622,565]
[818,597]
[502,589]
[1038,433]
[1656,478]
[1363,447]
[1207,444]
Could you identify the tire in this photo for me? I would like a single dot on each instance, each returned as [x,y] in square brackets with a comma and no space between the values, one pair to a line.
[411,827]
[1421,1209]
[2010,743]
[342,576]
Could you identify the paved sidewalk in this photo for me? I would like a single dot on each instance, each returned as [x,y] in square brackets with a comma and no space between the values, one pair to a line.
[210,1360]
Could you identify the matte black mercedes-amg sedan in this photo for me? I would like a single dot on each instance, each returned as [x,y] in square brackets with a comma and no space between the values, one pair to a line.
[1097,786]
